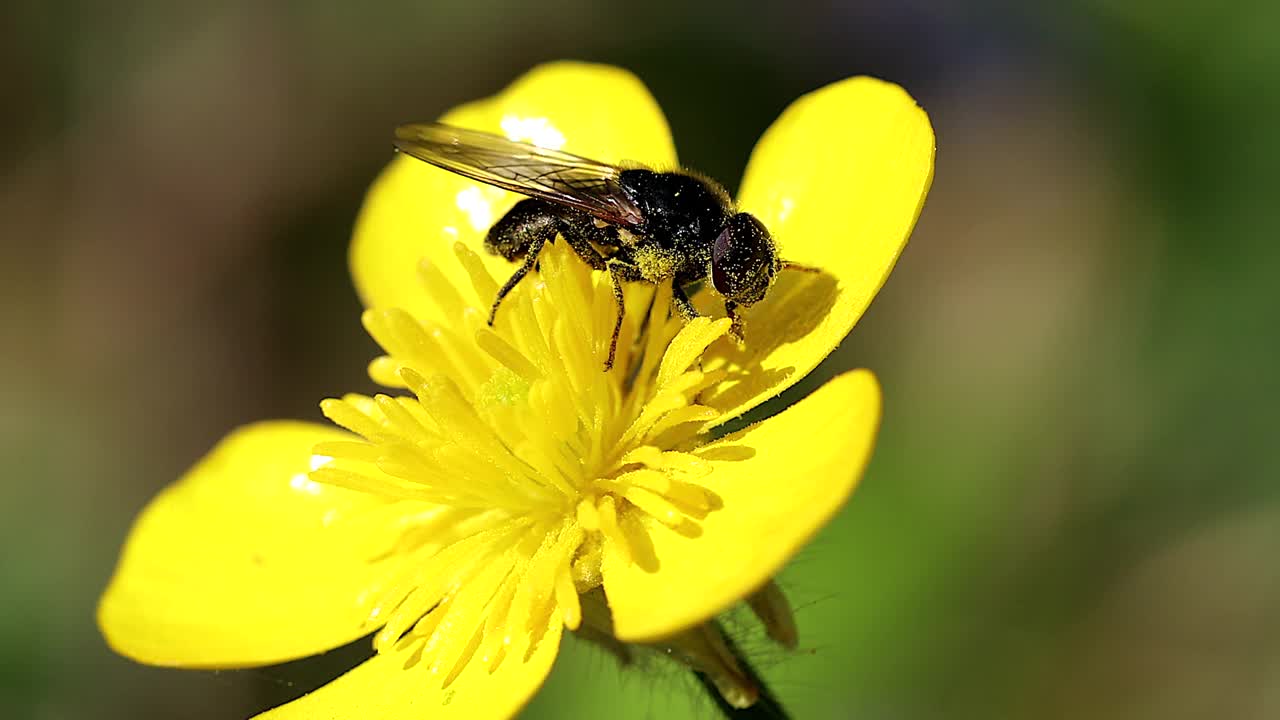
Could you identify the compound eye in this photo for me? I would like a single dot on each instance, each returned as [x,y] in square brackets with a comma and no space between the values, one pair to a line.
[742,259]
[720,276]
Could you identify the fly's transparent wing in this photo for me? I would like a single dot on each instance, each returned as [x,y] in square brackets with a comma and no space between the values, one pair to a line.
[543,173]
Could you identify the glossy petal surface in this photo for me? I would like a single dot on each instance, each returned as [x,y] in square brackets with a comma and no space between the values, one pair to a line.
[396,686]
[839,180]
[244,561]
[415,212]
[778,482]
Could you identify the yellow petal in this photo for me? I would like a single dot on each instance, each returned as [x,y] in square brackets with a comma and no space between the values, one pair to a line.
[416,212]
[839,180]
[398,686]
[244,561]
[778,483]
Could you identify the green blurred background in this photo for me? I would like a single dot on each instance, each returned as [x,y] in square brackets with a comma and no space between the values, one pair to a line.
[1074,509]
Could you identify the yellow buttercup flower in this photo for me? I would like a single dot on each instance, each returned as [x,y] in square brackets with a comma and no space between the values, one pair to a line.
[520,490]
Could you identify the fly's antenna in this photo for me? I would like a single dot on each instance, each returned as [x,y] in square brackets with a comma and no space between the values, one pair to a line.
[800,267]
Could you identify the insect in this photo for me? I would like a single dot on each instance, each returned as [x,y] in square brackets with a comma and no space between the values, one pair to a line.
[640,225]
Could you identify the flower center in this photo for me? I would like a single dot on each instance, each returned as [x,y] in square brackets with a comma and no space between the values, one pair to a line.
[520,458]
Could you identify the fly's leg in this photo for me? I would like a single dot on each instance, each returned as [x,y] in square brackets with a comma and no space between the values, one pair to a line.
[521,233]
[681,302]
[531,224]
[530,259]
[684,306]
[580,231]
[735,330]
[619,271]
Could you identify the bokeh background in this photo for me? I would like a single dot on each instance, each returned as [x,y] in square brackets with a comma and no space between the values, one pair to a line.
[1074,509]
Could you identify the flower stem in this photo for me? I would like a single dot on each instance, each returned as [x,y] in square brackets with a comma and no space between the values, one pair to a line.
[766,706]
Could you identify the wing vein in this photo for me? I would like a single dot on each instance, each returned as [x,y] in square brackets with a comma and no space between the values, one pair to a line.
[544,173]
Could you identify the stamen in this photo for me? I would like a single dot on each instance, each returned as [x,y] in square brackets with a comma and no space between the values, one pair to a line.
[546,468]
[659,328]
[521,615]
[655,506]
[476,482]
[492,648]
[588,516]
[411,611]
[458,421]
[576,361]
[345,414]
[693,497]
[647,478]
[442,291]
[349,450]
[567,598]
[385,371]
[384,486]
[400,462]
[502,351]
[408,426]
[688,345]
[541,575]
[481,281]
[526,334]
[643,455]
[421,586]
[455,639]
[684,463]
[652,412]
[464,657]
[425,627]
[408,342]
[609,526]
[533,460]
[694,417]
[551,400]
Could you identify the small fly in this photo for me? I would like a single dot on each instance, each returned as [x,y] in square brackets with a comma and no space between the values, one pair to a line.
[640,225]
